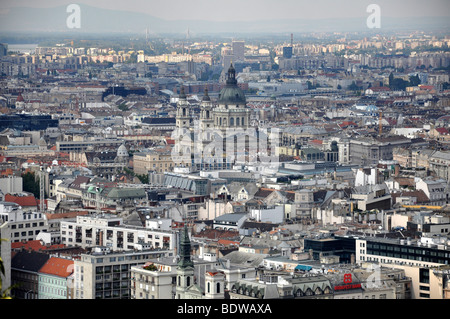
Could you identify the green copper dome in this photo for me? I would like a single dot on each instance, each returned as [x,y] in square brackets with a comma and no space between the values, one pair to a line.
[231,93]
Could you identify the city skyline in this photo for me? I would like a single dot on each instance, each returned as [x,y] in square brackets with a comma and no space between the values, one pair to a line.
[250,154]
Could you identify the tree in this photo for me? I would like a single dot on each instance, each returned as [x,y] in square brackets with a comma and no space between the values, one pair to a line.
[391,80]
[414,80]
[399,84]
[353,86]
[31,184]
[123,107]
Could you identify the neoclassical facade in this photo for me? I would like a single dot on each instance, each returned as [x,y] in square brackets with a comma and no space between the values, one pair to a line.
[229,112]
[211,142]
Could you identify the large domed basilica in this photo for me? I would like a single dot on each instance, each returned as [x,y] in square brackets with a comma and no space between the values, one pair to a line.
[228,115]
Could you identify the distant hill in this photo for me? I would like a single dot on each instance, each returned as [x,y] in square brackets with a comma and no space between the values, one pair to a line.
[97,20]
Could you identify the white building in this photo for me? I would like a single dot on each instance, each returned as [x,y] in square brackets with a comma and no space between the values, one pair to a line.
[108,230]
[11,184]
[437,190]
[104,274]
[273,215]
[24,226]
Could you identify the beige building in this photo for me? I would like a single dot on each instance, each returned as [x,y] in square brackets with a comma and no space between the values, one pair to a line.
[428,282]
[153,280]
[157,160]
[420,158]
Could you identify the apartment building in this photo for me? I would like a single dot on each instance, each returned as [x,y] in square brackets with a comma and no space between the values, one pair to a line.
[23,226]
[154,280]
[440,164]
[109,230]
[106,274]
[421,253]
[437,190]
[157,160]
[55,279]
[83,145]
[368,151]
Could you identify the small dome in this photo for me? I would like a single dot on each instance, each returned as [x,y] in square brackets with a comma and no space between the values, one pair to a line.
[231,93]
[122,151]
[206,97]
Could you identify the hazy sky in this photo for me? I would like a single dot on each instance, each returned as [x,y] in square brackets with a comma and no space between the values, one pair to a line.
[244,10]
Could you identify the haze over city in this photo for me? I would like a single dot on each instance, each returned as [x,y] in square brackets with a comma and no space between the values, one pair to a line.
[203,16]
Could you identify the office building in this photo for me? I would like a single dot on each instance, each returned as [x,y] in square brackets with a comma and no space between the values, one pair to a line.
[238,48]
[108,230]
[105,274]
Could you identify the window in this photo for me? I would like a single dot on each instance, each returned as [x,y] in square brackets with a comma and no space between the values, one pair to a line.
[424,276]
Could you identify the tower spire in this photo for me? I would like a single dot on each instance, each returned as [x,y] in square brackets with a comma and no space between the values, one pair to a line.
[231,80]
[182,94]
[185,249]
[206,96]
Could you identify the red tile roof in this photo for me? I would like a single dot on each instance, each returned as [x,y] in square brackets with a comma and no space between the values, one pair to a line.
[226,242]
[380,88]
[34,245]
[24,201]
[58,267]
[66,215]
[442,130]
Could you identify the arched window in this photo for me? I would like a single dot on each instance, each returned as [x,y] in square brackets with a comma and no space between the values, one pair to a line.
[232,121]
[209,287]
[243,122]
[184,112]
[237,121]
[188,281]
[218,288]
[220,121]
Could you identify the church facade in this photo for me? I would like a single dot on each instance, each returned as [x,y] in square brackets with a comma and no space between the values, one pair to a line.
[222,136]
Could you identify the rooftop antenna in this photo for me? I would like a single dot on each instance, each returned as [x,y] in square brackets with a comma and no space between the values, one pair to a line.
[292,39]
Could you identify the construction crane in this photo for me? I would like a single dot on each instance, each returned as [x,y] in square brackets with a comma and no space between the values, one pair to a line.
[41,189]
[380,124]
